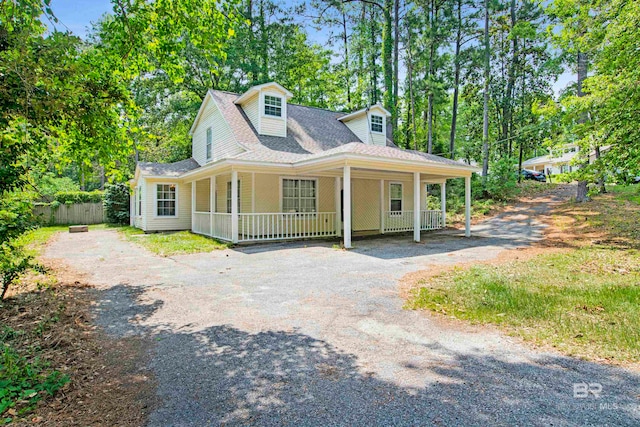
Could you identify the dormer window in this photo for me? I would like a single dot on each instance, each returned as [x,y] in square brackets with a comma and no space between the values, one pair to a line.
[376,123]
[272,106]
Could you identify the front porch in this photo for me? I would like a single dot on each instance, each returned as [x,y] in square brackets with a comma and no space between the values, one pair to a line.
[247,206]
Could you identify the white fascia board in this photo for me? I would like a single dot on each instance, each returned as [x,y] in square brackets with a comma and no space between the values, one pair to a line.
[255,89]
[362,111]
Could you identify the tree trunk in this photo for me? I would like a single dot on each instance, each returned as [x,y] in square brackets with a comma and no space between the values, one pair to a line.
[374,71]
[485,114]
[264,49]
[345,40]
[387,53]
[581,195]
[601,182]
[520,162]
[411,94]
[507,104]
[396,38]
[456,83]
[430,77]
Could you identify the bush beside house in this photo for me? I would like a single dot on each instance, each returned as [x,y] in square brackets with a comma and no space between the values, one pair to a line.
[116,203]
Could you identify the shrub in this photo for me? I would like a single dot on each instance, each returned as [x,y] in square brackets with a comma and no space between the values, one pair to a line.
[563,177]
[16,217]
[502,179]
[71,197]
[116,203]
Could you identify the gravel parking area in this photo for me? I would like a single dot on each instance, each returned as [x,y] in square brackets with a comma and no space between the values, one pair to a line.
[304,334]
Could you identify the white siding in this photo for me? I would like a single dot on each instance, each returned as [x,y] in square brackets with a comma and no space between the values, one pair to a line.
[378,139]
[183,209]
[360,127]
[202,195]
[365,204]
[273,126]
[251,109]
[140,220]
[224,144]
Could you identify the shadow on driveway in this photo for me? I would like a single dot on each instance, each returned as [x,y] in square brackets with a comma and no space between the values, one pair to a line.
[223,375]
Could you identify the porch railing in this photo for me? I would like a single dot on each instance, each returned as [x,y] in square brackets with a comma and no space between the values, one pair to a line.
[215,224]
[283,226]
[430,220]
[221,226]
[202,223]
[396,221]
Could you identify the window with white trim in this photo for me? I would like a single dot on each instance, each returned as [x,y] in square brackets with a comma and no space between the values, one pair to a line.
[395,197]
[209,142]
[139,194]
[376,123]
[272,106]
[299,195]
[229,196]
[166,199]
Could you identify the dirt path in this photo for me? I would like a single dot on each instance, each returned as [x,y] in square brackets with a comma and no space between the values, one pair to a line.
[303,334]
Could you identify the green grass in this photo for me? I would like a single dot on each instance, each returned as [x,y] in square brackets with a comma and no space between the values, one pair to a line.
[167,244]
[584,301]
[34,240]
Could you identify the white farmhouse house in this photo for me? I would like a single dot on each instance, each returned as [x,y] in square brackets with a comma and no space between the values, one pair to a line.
[559,160]
[263,169]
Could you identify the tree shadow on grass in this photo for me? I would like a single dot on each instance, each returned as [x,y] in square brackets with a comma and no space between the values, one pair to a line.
[222,375]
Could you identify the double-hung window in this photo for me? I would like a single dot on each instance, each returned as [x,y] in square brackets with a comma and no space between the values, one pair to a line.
[299,195]
[209,143]
[229,196]
[395,198]
[139,194]
[272,106]
[166,199]
[376,123]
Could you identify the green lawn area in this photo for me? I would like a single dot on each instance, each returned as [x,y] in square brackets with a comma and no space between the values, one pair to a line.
[167,244]
[585,301]
[164,244]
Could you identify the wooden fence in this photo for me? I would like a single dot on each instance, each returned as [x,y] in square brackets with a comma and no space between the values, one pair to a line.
[77,213]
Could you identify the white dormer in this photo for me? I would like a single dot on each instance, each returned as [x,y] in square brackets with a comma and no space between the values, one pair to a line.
[369,124]
[266,107]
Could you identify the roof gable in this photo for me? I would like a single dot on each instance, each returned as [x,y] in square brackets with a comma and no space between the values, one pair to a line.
[256,89]
[376,107]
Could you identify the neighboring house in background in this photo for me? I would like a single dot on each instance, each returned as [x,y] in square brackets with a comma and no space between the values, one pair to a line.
[263,169]
[557,161]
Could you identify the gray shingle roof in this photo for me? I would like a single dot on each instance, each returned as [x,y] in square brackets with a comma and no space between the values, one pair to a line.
[312,133]
[309,129]
[273,156]
[167,169]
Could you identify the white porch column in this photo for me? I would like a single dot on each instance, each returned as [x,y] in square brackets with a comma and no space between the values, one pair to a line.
[337,209]
[416,206]
[253,192]
[212,194]
[443,202]
[193,203]
[467,206]
[346,202]
[212,202]
[382,206]
[234,206]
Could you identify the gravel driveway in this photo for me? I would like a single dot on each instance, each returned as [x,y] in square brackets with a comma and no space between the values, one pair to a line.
[304,334]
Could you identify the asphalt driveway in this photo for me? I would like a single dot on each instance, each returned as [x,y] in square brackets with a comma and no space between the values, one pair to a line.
[305,334]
